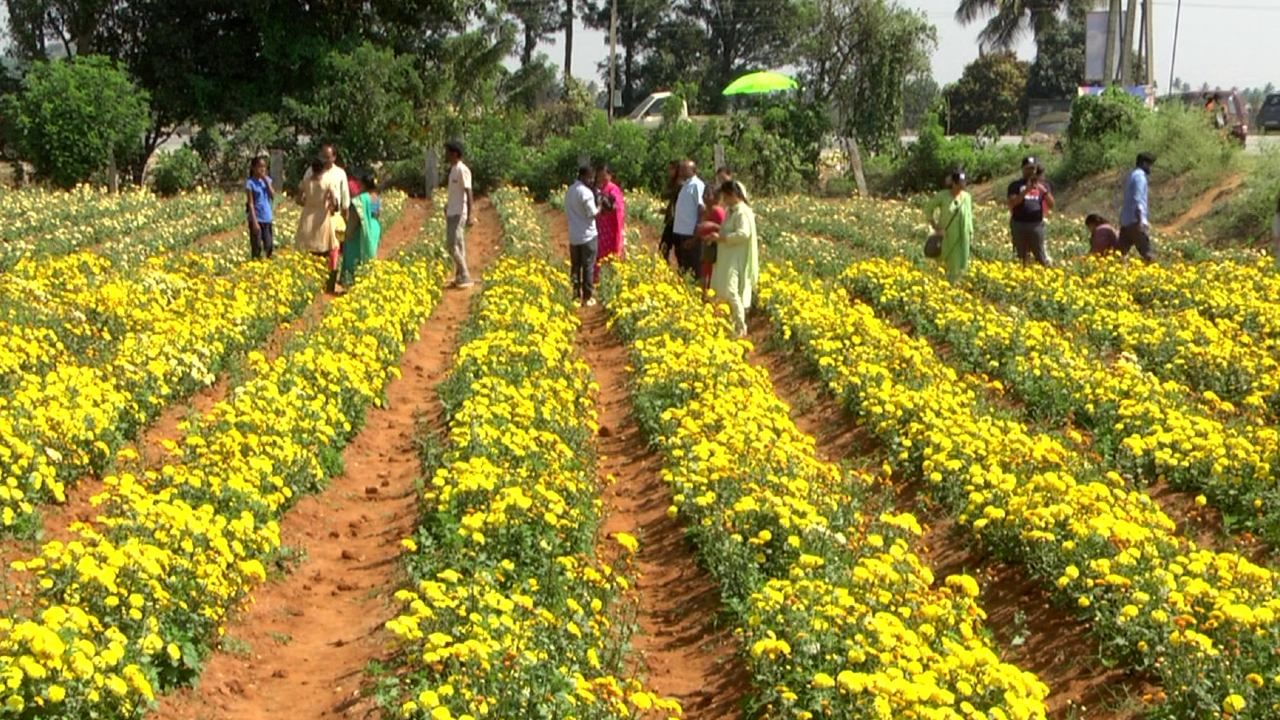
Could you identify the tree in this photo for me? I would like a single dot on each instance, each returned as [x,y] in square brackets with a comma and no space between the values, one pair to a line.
[741,36]
[72,117]
[919,94]
[368,107]
[990,92]
[1059,65]
[639,30]
[567,20]
[857,57]
[1009,20]
[538,19]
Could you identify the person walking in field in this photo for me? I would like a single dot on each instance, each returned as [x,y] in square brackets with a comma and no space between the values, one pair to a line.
[317,233]
[951,216]
[670,194]
[260,198]
[364,229]
[459,212]
[333,177]
[1103,238]
[1135,213]
[737,268]
[1029,199]
[611,222]
[712,220]
[581,209]
[689,207]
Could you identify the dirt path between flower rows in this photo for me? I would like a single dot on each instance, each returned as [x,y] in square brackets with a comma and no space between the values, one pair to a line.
[301,648]
[684,648]
[1029,631]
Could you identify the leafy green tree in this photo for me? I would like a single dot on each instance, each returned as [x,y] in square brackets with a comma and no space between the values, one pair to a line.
[739,37]
[72,117]
[1059,65]
[538,20]
[919,94]
[990,92]
[857,56]
[639,31]
[368,106]
[1009,20]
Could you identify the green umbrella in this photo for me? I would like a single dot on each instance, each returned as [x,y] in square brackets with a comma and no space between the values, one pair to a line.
[760,82]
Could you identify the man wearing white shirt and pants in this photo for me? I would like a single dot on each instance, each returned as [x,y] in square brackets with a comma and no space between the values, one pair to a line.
[581,209]
[459,212]
[689,207]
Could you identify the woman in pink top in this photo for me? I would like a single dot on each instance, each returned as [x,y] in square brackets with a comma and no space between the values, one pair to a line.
[610,222]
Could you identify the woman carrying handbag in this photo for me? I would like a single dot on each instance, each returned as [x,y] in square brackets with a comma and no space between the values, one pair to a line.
[950,241]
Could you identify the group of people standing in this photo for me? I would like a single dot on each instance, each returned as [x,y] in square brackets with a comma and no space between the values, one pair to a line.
[339,222]
[1030,200]
[711,231]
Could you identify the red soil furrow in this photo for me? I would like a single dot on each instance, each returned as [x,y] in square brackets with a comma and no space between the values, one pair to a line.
[1029,630]
[301,648]
[684,646]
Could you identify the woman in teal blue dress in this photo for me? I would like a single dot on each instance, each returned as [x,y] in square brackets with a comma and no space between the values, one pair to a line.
[951,215]
[364,229]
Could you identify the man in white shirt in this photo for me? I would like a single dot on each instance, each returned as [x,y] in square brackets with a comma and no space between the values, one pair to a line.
[581,208]
[459,212]
[689,207]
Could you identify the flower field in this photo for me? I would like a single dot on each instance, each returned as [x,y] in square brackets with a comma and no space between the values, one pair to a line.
[1105,428]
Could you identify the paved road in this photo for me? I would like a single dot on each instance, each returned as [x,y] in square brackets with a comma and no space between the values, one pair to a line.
[1255,145]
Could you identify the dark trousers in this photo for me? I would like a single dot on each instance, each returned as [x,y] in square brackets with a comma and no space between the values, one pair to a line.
[1135,236]
[688,253]
[1028,241]
[668,242]
[263,241]
[582,264]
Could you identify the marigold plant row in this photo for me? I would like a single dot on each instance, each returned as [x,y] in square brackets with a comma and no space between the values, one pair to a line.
[109,347]
[131,605]
[1203,623]
[838,616]
[511,613]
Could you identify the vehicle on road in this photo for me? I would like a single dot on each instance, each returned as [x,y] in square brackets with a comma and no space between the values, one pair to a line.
[1269,114]
[1229,110]
[651,111]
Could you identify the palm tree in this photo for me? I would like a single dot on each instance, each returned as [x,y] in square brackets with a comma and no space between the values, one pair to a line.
[1009,20]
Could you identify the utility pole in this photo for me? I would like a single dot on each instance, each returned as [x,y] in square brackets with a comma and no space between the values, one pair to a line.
[1113,42]
[1149,28]
[613,56]
[1177,22]
[1126,49]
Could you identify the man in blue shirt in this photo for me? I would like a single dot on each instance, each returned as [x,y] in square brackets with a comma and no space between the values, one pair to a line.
[259,196]
[1135,214]
[581,208]
[689,207]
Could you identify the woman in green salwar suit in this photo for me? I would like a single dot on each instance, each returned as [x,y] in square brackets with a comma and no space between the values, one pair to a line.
[364,229]
[951,214]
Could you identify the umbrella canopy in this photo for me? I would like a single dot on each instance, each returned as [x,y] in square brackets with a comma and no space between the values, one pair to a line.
[760,82]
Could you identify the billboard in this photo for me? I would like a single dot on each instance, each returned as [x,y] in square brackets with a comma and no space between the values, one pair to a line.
[1095,47]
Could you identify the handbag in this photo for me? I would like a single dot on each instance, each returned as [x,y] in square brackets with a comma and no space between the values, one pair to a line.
[933,243]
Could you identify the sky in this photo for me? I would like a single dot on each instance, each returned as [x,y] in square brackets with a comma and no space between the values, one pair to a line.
[1226,43]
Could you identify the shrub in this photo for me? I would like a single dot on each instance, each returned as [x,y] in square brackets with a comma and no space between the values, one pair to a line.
[1247,214]
[1102,128]
[927,163]
[176,171]
[72,116]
